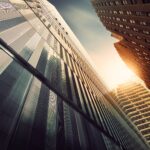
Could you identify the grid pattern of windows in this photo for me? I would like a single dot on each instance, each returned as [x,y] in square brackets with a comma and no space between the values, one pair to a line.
[134,100]
[130,20]
[50,97]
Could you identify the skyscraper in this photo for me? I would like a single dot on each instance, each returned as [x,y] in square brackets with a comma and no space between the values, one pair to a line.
[50,96]
[134,100]
[129,21]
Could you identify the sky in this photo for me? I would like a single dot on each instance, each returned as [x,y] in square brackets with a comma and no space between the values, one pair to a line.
[97,41]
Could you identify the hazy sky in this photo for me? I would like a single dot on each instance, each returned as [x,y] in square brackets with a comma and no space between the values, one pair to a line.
[82,19]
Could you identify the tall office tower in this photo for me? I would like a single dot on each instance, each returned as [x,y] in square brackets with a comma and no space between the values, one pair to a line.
[129,21]
[134,100]
[50,96]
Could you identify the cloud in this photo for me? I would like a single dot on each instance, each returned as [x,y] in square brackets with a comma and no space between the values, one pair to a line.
[83,21]
[85,25]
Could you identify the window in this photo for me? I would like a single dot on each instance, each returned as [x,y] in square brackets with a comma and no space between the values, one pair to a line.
[139,54]
[127,27]
[120,12]
[124,20]
[135,29]
[118,19]
[130,34]
[115,12]
[132,21]
[142,46]
[148,14]
[137,49]
[146,32]
[147,58]
[111,3]
[145,53]
[117,2]
[124,2]
[58,31]
[133,42]
[139,13]
[146,131]
[138,37]
[107,4]
[148,40]
[129,13]
[147,137]
[143,23]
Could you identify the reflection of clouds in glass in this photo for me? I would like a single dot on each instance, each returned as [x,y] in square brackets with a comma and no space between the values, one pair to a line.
[52,96]
[52,101]
[7,11]
[5,5]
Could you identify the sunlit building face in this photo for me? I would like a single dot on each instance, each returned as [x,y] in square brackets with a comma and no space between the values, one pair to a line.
[50,96]
[133,99]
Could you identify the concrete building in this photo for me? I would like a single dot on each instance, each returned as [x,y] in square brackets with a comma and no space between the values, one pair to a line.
[129,21]
[50,95]
[134,100]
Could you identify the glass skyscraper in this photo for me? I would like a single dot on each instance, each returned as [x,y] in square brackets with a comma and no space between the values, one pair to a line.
[50,96]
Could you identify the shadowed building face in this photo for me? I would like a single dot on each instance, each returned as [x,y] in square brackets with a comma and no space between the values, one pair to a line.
[50,96]
[130,20]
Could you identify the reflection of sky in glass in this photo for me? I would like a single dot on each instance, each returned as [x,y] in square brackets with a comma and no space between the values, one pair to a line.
[81,17]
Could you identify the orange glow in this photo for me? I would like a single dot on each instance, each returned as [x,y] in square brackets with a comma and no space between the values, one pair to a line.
[111,69]
[119,73]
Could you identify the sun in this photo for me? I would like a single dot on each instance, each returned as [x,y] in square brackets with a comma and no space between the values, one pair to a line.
[118,73]
[111,69]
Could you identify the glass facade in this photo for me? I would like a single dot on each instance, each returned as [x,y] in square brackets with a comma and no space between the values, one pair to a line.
[50,97]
